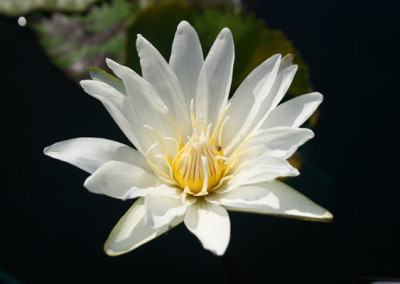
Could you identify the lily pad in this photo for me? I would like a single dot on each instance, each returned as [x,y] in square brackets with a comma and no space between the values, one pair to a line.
[254,42]
[23,7]
[74,42]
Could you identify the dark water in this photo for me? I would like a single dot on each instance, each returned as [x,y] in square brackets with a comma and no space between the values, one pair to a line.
[52,229]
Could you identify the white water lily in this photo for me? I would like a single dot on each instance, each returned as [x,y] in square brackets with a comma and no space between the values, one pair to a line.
[198,153]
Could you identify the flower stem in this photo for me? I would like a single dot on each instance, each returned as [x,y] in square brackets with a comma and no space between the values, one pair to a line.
[230,268]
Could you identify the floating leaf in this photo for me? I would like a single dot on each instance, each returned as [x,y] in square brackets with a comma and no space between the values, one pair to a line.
[22,7]
[254,42]
[74,42]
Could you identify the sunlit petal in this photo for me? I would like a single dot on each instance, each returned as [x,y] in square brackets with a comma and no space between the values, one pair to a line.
[89,154]
[271,198]
[210,224]
[131,231]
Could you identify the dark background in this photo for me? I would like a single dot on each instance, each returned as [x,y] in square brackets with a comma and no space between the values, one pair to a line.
[52,230]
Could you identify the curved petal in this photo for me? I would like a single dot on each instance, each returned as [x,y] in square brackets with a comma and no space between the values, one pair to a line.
[159,74]
[89,154]
[294,112]
[210,224]
[98,74]
[286,61]
[278,141]
[145,102]
[259,169]
[162,209]
[186,59]
[119,107]
[271,198]
[215,79]
[131,231]
[281,84]
[247,98]
[120,180]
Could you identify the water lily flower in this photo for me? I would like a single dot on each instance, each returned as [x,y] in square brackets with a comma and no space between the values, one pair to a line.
[198,154]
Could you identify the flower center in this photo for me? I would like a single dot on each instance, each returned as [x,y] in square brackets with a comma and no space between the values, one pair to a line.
[198,166]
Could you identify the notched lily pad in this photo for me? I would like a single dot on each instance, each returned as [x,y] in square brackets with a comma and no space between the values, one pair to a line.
[74,42]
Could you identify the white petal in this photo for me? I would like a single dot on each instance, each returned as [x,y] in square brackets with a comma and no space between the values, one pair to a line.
[294,112]
[280,86]
[259,169]
[89,154]
[246,100]
[210,224]
[248,196]
[98,74]
[131,231]
[186,59]
[272,198]
[120,180]
[145,102]
[278,141]
[119,107]
[215,79]
[162,209]
[286,61]
[160,75]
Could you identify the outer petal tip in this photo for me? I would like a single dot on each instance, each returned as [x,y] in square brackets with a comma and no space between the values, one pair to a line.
[318,96]
[294,172]
[110,62]
[288,57]
[218,253]
[277,56]
[184,25]
[294,67]
[141,44]
[139,39]
[328,217]
[86,85]
[287,61]
[83,82]
[108,251]
[226,32]
[310,134]
[46,150]
[90,185]
[275,59]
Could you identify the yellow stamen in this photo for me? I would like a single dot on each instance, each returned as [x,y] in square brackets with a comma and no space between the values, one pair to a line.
[196,167]
[199,166]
